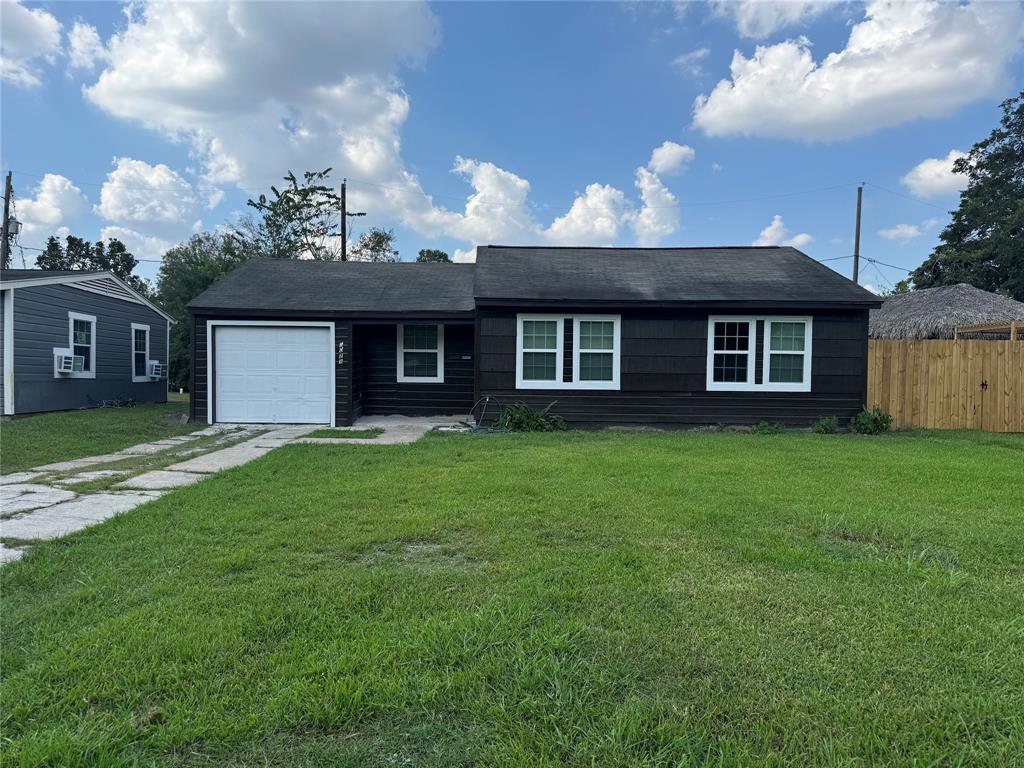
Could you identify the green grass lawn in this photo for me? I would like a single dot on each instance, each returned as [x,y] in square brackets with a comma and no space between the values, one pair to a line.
[29,441]
[348,434]
[539,600]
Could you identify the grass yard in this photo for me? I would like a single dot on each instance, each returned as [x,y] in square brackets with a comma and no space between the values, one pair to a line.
[348,434]
[44,438]
[539,600]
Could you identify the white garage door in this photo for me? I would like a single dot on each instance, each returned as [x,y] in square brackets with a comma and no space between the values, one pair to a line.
[273,374]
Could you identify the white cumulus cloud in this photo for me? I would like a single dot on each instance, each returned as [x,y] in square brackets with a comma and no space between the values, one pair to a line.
[139,245]
[147,197]
[659,216]
[903,61]
[85,49]
[761,18]
[56,203]
[777,234]
[670,158]
[934,176]
[594,218]
[901,233]
[28,37]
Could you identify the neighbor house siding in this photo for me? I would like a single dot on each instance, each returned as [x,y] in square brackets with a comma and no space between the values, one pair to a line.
[376,349]
[41,324]
[3,307]
[663,372]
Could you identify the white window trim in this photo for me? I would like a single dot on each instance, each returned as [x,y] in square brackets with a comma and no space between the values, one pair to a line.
[145,376]
[211,373]
[616,320]
[72,316]
[555,383]
[402,378]
[558,382]
[765,385]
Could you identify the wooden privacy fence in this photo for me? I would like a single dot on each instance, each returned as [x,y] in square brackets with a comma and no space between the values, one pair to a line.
[946,384]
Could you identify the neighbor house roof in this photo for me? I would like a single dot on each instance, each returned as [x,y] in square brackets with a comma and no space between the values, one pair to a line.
[934,313]
[297,287]
[746,276]
[17,275]
[93,281]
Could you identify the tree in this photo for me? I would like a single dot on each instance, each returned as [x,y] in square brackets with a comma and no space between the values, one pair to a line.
[300,220]
[78,253]
[433,255]
[186,271]
[375,244]
[984,243]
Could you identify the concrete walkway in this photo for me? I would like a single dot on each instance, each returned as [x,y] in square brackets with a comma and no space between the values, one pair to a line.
[38,504]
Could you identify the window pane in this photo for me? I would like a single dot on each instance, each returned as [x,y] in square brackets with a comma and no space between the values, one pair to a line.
[730,368]
[540,334]
[419,337]
[732,336]
[420,364]
[82,332]
[140,340]
[539,366]
[787,337]
[597,334]
[86,352]
[786,369]
[596,366]
[140,363]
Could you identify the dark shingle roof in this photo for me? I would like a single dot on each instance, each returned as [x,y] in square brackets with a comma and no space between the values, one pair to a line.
[302,286]
[768,275]
[14,275]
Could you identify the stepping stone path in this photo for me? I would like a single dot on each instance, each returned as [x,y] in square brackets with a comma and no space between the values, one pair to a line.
[34,508]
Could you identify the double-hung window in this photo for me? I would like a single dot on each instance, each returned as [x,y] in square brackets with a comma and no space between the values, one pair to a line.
[82,342]
[781,364]
[542,361]
[140,352]
[421,352]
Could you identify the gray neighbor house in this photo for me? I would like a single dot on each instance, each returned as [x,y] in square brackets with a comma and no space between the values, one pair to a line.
[664,337]
[76,339]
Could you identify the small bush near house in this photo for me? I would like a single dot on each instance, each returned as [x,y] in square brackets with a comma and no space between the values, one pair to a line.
[767,428]
[519,417]
[871,422]
[826,425]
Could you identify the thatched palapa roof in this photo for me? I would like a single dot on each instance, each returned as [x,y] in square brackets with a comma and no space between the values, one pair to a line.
[934,313]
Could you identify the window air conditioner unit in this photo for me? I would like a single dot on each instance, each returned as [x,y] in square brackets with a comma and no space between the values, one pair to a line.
[157,370]
[69,363]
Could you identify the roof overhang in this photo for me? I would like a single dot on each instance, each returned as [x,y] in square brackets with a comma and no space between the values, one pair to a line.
[640,304]
[82,281]
[278,314]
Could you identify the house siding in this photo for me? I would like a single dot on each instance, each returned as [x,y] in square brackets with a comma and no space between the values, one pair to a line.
[3,369]
[41,324]
[663,373]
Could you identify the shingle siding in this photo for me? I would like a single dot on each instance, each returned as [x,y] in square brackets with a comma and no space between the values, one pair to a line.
[663,374]
[41,324]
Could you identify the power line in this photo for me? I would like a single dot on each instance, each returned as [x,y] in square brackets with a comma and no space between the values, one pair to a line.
[906,197]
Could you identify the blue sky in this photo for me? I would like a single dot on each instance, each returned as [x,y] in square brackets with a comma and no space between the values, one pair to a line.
[462,124]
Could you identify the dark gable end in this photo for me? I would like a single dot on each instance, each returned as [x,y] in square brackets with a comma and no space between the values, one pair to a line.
[738,277]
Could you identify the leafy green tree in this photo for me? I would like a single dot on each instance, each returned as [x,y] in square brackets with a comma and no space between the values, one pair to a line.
[433,255]
[299,220]
[78,253]
[53,256]
[984,243]
[375,244]
[186,271]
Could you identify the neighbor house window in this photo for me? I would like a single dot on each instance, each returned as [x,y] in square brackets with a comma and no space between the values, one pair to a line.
[786,354]
[540,356]
[421,352]
[140,352]
[82,342]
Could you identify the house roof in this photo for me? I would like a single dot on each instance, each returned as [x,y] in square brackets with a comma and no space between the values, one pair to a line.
[745,276]
[17,275]
[303,287]
[934,313]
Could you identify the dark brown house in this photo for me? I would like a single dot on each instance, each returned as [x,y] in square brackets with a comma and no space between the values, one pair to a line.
[667,337]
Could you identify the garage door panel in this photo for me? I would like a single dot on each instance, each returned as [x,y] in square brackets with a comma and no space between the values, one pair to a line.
[273,374]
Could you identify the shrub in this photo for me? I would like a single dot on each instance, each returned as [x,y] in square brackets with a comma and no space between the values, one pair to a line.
[871,422]
[519,417]
[826,425]
[766,428]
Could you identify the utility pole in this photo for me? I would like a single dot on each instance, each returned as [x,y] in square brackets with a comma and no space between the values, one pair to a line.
[856,236]
[5,245]
[344,221]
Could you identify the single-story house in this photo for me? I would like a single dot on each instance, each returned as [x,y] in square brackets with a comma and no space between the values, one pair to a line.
[74,339]
[936,313]
[669,337]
